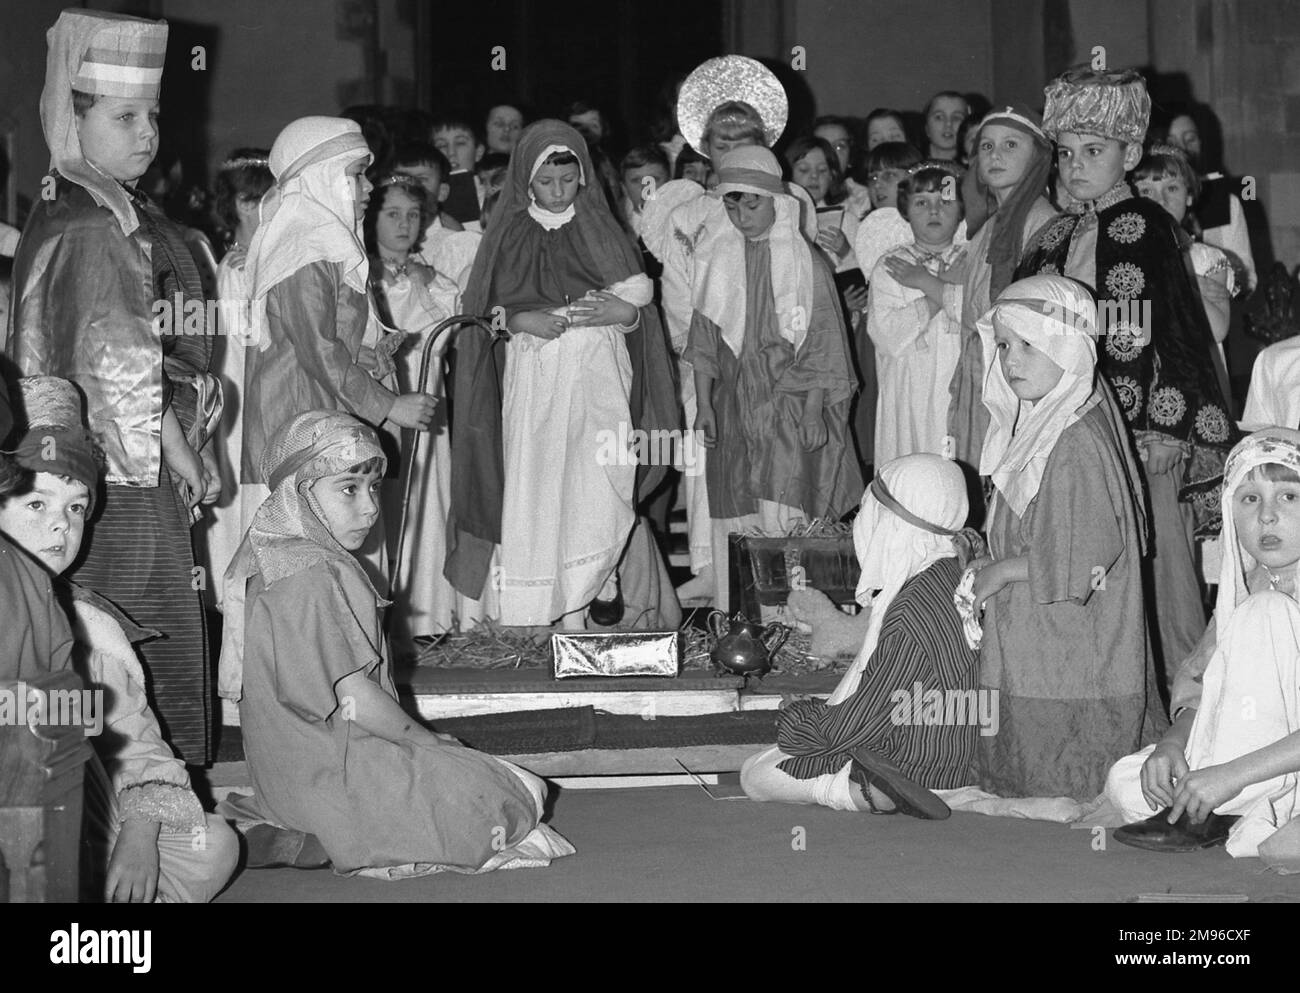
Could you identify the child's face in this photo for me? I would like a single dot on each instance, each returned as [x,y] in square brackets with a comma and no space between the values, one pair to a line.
[838,137]
[350,503]
[48,522]
[696,172]
[430,177]
[1091,166]
[1267,517]
[1168,191]
[589,124]
[884,129]
[503,126]
[460,147]
[398,224]
[933,217]
[1003,155]
[813,173]
[1184,134]
[945,118]
[753,215]
[555,187]
[120,136]
[883,186]
[719,145]
[1029,372]
[361,186]
[640,180]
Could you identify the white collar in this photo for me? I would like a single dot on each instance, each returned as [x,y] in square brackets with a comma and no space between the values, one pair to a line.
[550,220]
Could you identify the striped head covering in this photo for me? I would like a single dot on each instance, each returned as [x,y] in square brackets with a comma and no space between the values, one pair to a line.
[107,55]
[124,59]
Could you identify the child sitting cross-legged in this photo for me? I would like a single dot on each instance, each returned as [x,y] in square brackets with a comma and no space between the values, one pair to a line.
[146,836]
[339,770]
[863,749]
[1229,766]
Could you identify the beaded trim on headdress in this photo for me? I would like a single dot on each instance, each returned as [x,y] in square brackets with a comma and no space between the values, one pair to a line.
[952,168]
[245,162]
[399,179]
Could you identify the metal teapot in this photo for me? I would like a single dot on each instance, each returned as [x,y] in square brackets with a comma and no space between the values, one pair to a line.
[745,648]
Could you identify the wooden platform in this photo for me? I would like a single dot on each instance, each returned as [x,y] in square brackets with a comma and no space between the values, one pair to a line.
[433,692]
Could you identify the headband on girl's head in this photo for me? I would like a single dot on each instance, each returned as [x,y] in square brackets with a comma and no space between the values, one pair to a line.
[1011,115]
[245,162]
[398,179]
[886,499]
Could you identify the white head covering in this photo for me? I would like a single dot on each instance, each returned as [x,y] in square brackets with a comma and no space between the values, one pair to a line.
[310,214]
[1058,317]
[105,55]
[719,285]
[1224,727]
[1280,446]
[930,490]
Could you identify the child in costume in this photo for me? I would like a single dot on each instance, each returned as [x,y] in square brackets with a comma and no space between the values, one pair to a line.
[1155,347]
[243,179]
[1065,640]
[771,363]
[1013,158]
[331,754]
[586,359]
[906,536]
[416,298]
[446,246]
[97,264]
[146,835]
[1228,768]
[316,341]
[915,317]
[886,166]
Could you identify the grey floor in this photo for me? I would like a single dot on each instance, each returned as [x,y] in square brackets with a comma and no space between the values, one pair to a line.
[675,843]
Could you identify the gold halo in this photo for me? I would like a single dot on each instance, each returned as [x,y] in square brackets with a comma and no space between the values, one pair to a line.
[730,77]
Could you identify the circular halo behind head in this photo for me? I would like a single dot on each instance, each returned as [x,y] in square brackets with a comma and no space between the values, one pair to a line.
[730,77]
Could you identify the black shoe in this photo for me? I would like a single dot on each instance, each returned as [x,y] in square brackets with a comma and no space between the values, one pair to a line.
[873,769]
[1156,834]
[607,613]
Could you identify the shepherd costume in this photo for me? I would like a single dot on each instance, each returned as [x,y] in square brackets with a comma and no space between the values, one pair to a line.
[301,617]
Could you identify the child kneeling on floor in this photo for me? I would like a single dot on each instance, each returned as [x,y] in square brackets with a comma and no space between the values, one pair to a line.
[339,770]
[877,744]
[145,834]
[1228,768]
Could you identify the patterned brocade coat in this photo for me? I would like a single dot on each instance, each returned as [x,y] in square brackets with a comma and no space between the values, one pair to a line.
[1155,342]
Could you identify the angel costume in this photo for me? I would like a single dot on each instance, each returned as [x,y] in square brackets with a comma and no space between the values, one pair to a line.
[302,616]
[1066,651]
[916,354]
[1243,681]
[96,262]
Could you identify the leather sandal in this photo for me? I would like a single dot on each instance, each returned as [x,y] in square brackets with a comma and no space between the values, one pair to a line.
[910,797]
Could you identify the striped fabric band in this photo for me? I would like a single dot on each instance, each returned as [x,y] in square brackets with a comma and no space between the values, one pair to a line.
[882,494]
[352,141]
[118,66]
